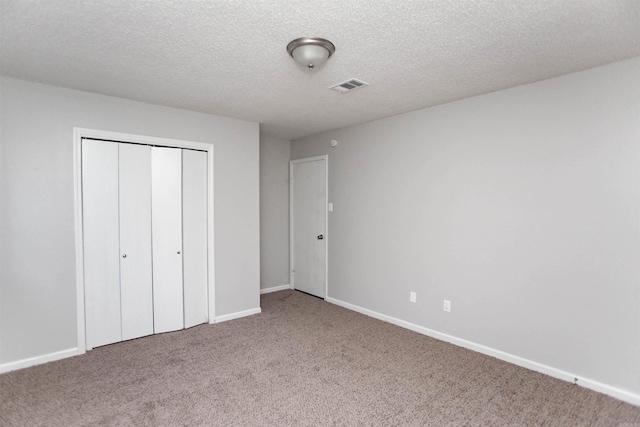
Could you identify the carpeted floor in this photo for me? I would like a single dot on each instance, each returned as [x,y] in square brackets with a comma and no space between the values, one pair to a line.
[301,362]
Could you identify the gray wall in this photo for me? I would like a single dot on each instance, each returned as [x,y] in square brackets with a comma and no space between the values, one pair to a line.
[37,287]
[522,207]
[274,212]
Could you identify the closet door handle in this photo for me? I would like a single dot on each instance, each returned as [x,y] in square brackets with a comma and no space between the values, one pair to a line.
[124,255]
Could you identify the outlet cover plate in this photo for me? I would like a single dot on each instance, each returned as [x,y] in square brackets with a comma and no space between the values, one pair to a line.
[412,297]
[447,306]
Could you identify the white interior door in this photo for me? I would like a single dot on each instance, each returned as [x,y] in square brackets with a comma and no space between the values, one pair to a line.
[136,287]
[166,220]
[101,246]
[309,234]
[194,237]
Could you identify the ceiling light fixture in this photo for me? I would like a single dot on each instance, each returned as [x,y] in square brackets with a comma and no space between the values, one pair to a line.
[310,52]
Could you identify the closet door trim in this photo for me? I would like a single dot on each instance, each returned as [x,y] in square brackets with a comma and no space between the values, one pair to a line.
[78,135]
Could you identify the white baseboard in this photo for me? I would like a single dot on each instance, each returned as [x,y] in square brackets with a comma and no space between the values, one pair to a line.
[63,354]
[624,395]
[238,314]
[275,289]
[38,360]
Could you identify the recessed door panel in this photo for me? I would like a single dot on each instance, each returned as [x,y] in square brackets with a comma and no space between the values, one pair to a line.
[194,216]
[166,224]
[136,288]
[101,246]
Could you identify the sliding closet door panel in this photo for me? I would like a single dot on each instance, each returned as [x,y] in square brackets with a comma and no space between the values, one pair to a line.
[194,229]
[101,246]
[135,241]
[166,225]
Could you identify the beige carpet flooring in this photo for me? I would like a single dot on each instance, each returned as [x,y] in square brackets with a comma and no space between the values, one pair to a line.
[301,362]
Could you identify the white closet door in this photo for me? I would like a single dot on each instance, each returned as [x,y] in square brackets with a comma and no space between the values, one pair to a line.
[166,224]
[136,291]
[309,209]
[194,229]
[101,246]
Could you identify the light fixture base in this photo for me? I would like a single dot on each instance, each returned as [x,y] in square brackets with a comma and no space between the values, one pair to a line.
[304,41]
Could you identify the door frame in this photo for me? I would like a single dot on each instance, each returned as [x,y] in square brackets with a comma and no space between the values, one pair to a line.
[324,158]
[78,135]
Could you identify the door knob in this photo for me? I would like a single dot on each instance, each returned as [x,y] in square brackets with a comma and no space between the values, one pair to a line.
[320,237]
[178,252]
[124,255]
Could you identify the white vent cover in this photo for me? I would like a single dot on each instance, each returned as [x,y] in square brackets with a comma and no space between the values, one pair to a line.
[349,85]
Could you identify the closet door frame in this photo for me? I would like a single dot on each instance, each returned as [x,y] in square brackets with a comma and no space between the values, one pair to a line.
[78,135]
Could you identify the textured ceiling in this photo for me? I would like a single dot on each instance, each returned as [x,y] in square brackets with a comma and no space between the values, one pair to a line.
[229,58]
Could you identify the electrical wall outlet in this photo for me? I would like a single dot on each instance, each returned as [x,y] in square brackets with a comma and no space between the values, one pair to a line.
[412,297]
[447,305]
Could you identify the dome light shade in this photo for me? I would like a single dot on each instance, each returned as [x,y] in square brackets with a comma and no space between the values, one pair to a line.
[311,52]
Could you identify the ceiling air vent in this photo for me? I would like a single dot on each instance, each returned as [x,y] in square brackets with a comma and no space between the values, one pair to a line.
[349,85]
